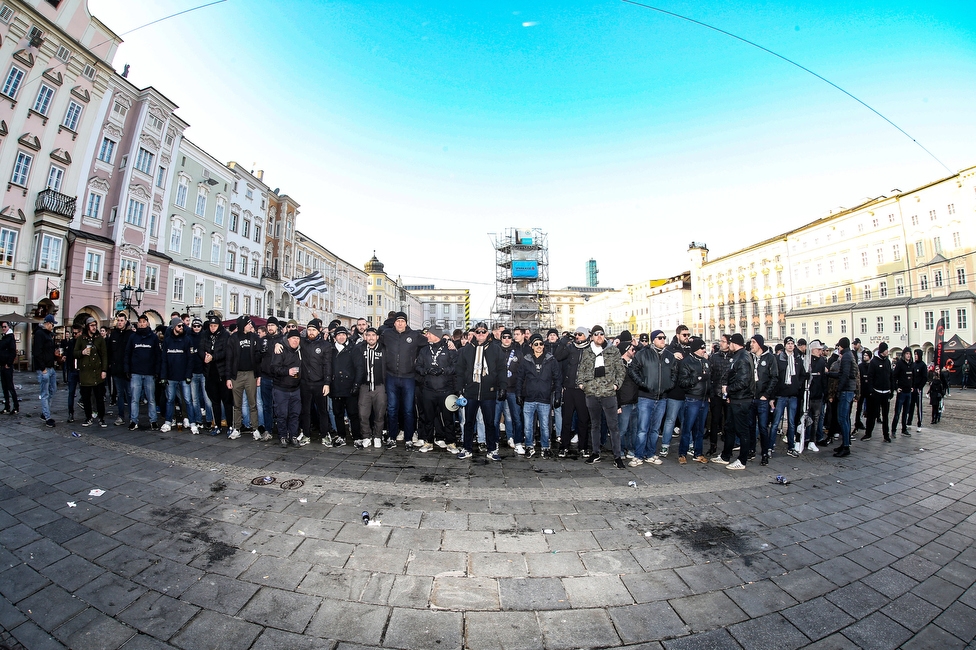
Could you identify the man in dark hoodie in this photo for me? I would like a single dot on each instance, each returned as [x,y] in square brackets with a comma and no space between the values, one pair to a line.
[482,380]
[695,378]
[573,400]
[286,368]
[920,374]
[117,342]
[879,393]
[767,381]
[344,387]
[316,374]
[213,350]
[739,388]
[71,376]
[679,347]
[847,377]
[902,376]
[508,408]
[176,373]
[538,381]
[266,389]
[435,366]
[8,353]
[142,366]
[42,355]
[243,372]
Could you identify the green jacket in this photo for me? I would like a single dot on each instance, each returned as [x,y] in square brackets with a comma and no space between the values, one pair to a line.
[614,373]
[91,367]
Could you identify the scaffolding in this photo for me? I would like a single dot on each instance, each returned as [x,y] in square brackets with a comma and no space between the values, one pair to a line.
[522,278]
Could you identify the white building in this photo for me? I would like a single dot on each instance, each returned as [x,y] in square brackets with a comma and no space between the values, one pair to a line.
[448,309]
[245,241]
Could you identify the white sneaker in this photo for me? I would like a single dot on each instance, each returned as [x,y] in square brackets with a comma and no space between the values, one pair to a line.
[194,429]
[719,460]
[266,436]
[256,435]
[167,426]
[441,444]
[637,462]
[918,428]
[377,443]
[812,447]
[654,460]
[424,448]
[575,440]
[234,434]
[400,437]
[798,447]
[735,464]
[512,444]
[520,450]
[367,443]
[452,449]
[631,455]
[186,423]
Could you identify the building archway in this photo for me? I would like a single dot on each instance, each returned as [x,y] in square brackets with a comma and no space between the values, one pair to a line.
[154,317]
[89,310]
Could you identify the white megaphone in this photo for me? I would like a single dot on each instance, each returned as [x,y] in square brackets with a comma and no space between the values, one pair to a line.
[453,402]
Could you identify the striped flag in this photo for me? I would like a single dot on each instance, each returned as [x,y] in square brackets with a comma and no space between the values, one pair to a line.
[300,288]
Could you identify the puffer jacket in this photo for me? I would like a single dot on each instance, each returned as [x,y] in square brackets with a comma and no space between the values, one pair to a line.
[91,366]
[436,365]
[795,387]
[491,383]
[695,377]
[400,351]
[767,376]
[538,379]
[613,372]
[316,361]
[718,364]
[740,381]
[846,374]
[654,371]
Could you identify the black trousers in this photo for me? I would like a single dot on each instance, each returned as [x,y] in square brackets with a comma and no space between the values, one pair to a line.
[341,406]
[878,405]
[739,424]
[717,416]
[219,396]
[312,396]
[437,422]
[98,392]
[574,401]
[9,392]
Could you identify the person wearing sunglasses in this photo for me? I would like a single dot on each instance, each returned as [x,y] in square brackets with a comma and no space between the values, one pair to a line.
[601,373]
[569,356]
[482,378]
[655,371]
[538,382]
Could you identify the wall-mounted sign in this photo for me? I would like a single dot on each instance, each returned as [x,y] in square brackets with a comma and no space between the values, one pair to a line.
[13,300]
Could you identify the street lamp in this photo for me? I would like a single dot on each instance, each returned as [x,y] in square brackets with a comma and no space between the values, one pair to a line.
[126,294]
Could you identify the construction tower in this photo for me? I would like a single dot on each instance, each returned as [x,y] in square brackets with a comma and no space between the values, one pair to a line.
[522,278]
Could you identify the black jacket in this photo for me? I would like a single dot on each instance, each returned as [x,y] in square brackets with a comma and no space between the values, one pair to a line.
[569,355]
[238,344]
[175,365]
[846,374]
[902,376]
[818,378]
[795,387]
[435,367]
[345,373]
[767,374]
[740,380]
[214,344]
[879,375]
[197,367]
[400,351]
[920,375]
[676,347]
[513,356]
[538,380]
[142,354]
[718,365]
[317,361]
[42,350]
[694,377]
[117,342]
[8,349]
[628,391]
[279,365]
[372,367]
[492,382]
[68,353]
[267,352]
[655,372]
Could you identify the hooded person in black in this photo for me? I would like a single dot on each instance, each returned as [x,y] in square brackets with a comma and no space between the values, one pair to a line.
[213,351]
[902,390]
[316,377]
[117,342]
[344,391]
[141,364]
[569,355]
[435,367]
[285,366]
[176,372]
[920,373]
[266,390]
[243,371]
[879,392]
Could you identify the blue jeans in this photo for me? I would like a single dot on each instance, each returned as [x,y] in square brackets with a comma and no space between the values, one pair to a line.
[266,395]
[513,418]
[400,393]
[844,400]
[787,404]
[48,379]
[627,423]
[73,379]
[675,407]
[650,413]
[174,386]
[693,426]
[759,426]
[903,402]
[141,385]
[531,410]
[123,397]
[198,393]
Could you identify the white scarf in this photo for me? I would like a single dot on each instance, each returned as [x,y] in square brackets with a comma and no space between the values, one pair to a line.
[598,351]
[480,368]
[790,367]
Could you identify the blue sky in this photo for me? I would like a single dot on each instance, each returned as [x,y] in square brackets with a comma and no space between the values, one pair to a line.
[418,128]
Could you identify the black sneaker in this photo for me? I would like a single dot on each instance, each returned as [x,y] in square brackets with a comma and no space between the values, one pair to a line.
[88,422]
[71,417]
[546,453]
[482,447]
[102,424]
[595,458]
[133,426]
[391,443]
[530,452]
[619,463]
[585,455]
[154,426]
[49,422]
[765,460]
[563,453]
[284,443]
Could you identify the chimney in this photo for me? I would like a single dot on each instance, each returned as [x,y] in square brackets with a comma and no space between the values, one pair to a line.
[260,175]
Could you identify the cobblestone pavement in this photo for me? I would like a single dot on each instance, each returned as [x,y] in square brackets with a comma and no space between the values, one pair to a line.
[183,551]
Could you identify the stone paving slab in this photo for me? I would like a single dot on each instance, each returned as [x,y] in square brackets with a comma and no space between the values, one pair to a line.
[183,551]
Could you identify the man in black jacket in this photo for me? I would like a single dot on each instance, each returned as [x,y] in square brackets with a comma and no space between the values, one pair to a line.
[266,389]
[817,380]
[316,376]
[740,388]
[213,349]
[141,365]
[655,371]
[767,381]
[847,377]
[694,376]
[42,354]
[789,395]
[8,354]
[573,399]
[401,345]
[372,390]
[482,380]
[920,375]
[879,392]
[436,368]
[344,387]
[679,347]
[243,372]
[286,368]
[902,380]
[718,364]
[117,342]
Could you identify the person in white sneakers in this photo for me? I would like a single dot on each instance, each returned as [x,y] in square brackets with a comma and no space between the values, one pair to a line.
[176,372]
[435,369]
[817,381]
[538,385]
[372,389]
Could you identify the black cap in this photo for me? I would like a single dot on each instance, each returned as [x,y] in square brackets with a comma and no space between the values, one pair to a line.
[316,323]
[340,330]
[397,316]
[737,339]
[697,343]
[293,333]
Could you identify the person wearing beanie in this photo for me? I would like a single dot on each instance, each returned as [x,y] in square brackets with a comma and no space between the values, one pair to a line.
[601,373]
[344,387]
[243,363]
[285,370]
[435,367]
[198,380]
[846,374]
[266,388]
[116,342]
[879,393]
[718,407]
[676,396]
[482,379]
[538,383]
[861,398]
[176,373]
[739,389]
[401,345]
[764,396]
[655,371]
[143,358]
[627,402]
[372,390]
[901,380]
[694,376]
[91,355]
[509,407]
[792,382]
[213,350]
[316,380]
[569,354]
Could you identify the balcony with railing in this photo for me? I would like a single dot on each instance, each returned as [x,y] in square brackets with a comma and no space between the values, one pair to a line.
[270,273]
[55,203]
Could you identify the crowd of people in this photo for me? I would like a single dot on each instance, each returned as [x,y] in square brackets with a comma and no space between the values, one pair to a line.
[570,395]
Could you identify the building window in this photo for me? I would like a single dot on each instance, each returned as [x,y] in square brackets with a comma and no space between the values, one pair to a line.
[369,300]
[930,320]
[49,258]
[816,327]
[932,216]
[937,277]
[919,249]
[875,222]
[106,152]
[128,272]
[923,282]
[944,317]
[843,326]
[176,235]
[951,208]
[219,211]
[880,253]
[961,277]
[201,206]
[198,292]
[160,177]
[864,258]
[846,263]
[8,245]
[72,116]
[883,289]
[154,123]
[182,189]
[962,322]
[956,240]
[177,289]
[215,250]
[244,261]
[897,323]
[246,229]
[43,101]
[144,161]
[54,178]
[880,324]
[830,327]
[864,326]
[914,219]
[93,267]
[247,305]
[152,278]
[234,302]
[257,234]
[22,169]
[231,260]
[218,295]
[12,83]
[848,294]
[254,267]
[899,286]
[135,213]
[233,222]
[937,245]
[196,244]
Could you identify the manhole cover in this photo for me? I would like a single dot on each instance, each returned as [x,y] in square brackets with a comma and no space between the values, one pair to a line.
[292,484]
[263,480]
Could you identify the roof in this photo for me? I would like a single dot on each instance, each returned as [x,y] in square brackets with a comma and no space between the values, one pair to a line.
[155,253]
[81,234]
